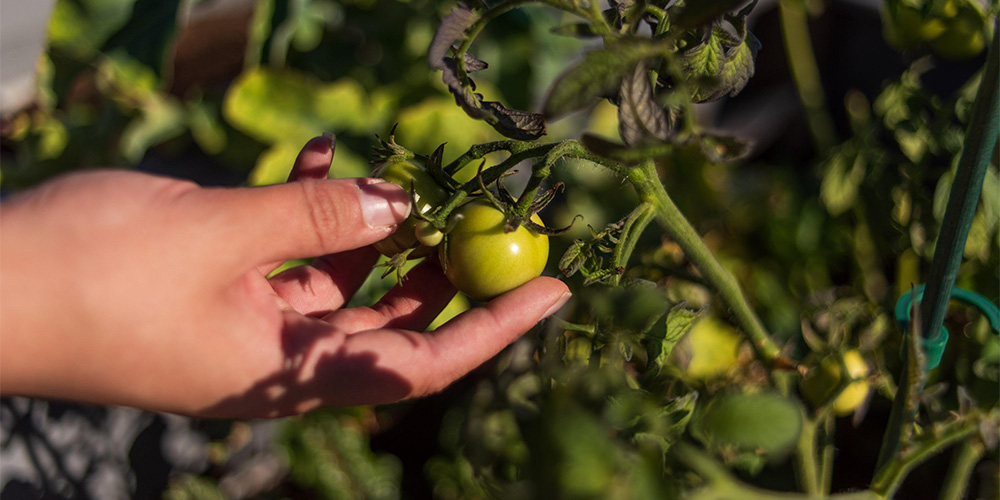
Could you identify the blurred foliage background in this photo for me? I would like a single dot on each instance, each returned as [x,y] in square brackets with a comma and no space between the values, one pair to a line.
[823,239]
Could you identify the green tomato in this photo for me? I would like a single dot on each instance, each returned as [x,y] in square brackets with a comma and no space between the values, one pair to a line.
[963,37]
[823,381]
[482,261]
[428,194]
[427,234]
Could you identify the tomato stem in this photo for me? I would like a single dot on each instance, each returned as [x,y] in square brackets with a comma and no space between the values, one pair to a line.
[962,464]
[805,72]
[896,469]
[807,470]
[634,226]
[645,181]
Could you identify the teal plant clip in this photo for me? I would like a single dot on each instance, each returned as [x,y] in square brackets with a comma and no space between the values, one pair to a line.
[934,344]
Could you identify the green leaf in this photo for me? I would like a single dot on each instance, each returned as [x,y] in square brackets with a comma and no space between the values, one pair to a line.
[82,27]
[677,323]
[722,62]
[845,171]
[759,424]
[162,118]
[573,259]
[599,74]
[286,106]
[274,165]
[206,126]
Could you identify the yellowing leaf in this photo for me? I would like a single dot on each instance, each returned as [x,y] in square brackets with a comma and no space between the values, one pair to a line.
[274,165]
[286,106]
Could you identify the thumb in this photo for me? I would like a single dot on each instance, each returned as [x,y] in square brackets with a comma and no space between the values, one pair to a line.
[312,218]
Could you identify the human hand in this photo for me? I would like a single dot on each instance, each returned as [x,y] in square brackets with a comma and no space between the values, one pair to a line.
[125,288]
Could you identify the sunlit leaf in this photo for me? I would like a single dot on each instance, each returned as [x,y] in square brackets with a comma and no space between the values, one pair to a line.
[286,106]
[274,165]
[206,127]
[162,118]
[599,74]
[844,172]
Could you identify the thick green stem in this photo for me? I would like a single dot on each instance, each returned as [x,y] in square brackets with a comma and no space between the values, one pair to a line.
[480,150]
[962,464]
[722,485]
[802,62]
[891,476]
[647,184]
[807,470]
[826,454]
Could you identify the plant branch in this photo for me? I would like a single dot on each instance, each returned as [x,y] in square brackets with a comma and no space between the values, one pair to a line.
[807,470]
[962,464]
[892,474]
[646,182]
[633,229]
[802,62]
[722,485]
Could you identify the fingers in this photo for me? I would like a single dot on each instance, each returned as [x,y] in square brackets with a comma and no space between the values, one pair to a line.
[411,305]
[313,162]
[327,284]
[388,365]
[307,218]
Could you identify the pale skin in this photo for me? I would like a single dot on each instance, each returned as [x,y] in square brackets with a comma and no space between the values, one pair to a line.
[123,288]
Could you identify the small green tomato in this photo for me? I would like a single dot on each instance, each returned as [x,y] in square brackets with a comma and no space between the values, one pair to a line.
[427,234]
[428,194]
[482,261]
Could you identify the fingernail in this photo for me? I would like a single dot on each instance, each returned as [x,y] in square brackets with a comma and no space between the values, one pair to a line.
[383,204]
[558,305]
[332,138]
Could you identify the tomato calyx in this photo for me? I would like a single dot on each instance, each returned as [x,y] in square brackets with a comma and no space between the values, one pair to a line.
[388,152]
[514,218]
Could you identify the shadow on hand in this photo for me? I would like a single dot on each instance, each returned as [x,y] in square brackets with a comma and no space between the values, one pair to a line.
[338,378]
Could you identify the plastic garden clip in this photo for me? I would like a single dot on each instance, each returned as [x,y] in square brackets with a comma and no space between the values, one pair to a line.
[934,344]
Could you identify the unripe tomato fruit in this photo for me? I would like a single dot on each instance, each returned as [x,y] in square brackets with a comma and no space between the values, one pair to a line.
[482,261]
[821,383]
[428,194]
[427,234]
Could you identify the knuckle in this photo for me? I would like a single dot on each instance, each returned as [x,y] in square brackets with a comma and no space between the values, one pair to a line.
[329,210]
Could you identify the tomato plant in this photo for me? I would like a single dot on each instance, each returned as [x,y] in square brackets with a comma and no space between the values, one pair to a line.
[426,194]
[738,248]
[482,260]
